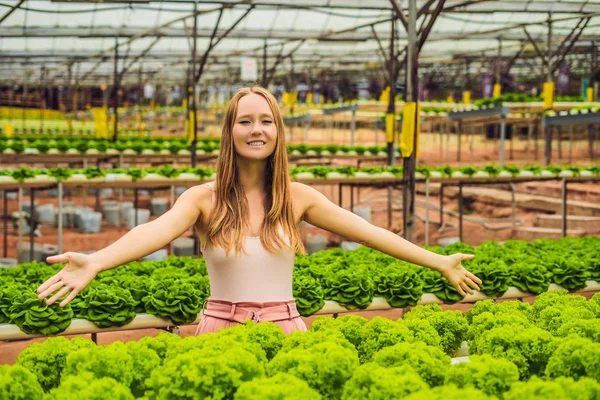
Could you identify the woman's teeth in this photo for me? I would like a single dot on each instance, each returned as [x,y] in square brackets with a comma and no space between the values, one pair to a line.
[256,144]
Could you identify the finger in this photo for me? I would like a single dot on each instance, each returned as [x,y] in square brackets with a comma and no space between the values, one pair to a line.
[466,288]
[70,297]
[465,257]
[50,290]
[474,278]
[48,283]
[472,284]
[460,290]
[58,295]
[60,258]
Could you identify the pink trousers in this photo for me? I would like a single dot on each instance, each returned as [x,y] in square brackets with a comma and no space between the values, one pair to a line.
[219,314]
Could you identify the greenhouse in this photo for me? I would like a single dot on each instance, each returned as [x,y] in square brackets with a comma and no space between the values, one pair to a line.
[310,199]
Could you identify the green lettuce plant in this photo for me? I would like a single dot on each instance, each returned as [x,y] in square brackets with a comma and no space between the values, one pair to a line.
[277,387]
[431,363]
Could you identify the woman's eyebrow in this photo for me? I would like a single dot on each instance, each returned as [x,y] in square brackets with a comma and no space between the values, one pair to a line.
[249,115]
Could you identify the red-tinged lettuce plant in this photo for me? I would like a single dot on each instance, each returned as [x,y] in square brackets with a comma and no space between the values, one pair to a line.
[325,366]
[308,293]
[280,386]
[18,383]
[431,363]
[48,359]
[575,357]
[372,381]
[450,325]
[560,388]
[493,376]
[399,284]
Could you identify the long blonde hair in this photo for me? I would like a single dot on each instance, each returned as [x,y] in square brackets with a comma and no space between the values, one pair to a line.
[229,218]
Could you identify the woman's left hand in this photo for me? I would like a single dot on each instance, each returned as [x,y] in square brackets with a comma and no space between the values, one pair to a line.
[458,276]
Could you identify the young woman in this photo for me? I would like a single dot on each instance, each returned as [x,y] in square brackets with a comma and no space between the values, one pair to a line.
[247,223]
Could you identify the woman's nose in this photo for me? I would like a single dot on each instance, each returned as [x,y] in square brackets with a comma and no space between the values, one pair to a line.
[255,128]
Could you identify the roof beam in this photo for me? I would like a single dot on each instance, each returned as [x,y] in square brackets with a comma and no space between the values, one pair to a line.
[9,12]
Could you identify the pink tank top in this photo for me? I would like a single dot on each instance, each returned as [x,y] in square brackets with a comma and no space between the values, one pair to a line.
[258,275]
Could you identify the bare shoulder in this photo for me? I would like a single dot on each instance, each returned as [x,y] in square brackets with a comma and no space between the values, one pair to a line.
[304,194]
[301,189]
[200,196]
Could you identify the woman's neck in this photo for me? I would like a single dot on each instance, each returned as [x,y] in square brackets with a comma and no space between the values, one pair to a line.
[251,174]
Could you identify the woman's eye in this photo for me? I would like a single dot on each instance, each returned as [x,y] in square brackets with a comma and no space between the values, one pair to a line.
[267,121]
[244,122]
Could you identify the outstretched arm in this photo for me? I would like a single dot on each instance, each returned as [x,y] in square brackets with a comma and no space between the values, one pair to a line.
[321,212]
[81,269]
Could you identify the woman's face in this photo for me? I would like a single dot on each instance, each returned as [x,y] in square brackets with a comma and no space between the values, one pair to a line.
[254,131]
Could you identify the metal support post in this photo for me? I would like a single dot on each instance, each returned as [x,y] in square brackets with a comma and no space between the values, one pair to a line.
[427,212]
[563,225]
[31,224]
[60,217]
[5,223]
[20,222]
[353,127]
[460,211]
[135,207]
[502,139]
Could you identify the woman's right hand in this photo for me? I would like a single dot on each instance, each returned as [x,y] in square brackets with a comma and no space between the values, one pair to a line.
[74,277]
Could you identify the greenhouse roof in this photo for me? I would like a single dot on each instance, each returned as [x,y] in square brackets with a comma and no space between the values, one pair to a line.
[154,37]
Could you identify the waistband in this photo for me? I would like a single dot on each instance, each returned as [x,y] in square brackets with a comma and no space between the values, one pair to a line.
[271,311]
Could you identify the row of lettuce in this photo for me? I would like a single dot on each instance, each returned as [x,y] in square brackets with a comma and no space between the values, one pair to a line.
[168,172]
[177,287]
[153,146]
[550,349]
